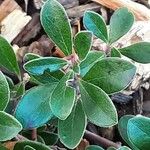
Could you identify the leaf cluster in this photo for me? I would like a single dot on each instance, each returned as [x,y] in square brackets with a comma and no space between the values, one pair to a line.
[71,90]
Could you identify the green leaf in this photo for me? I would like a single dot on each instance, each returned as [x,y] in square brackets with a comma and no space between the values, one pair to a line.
[138,129]
[2,147]
[9,126]
[19,89]
[33,110]
[120,23]
[10,82]
[36,145]
[47,77]
[91,58]
[115,53]
[63,97]
[30,56]
[72,129]
[49,137]
[4,92]
[139,52]
[39,65]
[76,68]
[111,74]
[29,148]
[7,57]
[56,24]
[40,139]
[95,23]
[122,127]
[97,105]
[124,148]
[111,148]
[83,43]
[94,147]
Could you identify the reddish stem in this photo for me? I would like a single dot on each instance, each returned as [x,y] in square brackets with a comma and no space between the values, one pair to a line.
[105,143]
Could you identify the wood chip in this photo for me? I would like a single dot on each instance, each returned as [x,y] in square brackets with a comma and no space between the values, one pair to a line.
[29,31]
[141,12]
[78,11]
[6,7]
[13,24]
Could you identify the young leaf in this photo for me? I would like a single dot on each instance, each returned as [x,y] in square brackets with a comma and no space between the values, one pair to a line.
[40,139]
[30,56]
[94,147]
[120,23]
[33,110]
[19,89]
[7,57]
[111,74]
[115,53]
[2,147]
[28,148]
[124,148]
[111,148]
[72,129]
[39,65]
[49,137]
[47,77]
[36,145]
[139,52]
[138,129]
[10,82]
[91,58]
[63,97]
[56,24]
[82,43]
[76,68]
[95,23]
[9,126]
[97,105]
[4,92]
[122,127]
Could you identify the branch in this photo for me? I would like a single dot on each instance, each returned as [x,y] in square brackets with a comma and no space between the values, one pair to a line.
[100,140]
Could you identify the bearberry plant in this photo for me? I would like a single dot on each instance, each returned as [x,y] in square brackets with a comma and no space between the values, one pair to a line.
[71,90]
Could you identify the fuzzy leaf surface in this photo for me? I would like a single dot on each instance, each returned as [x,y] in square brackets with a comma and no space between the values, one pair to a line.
[56,24]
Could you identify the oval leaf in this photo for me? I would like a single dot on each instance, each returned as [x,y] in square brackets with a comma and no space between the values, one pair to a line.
[111,148]
[9,126]
[49,137]
[97,105]
[72,129]
[36,145]
[120,23]
[83,42]
[115,53]
[7,57]
[33,110]
[56,24]
[91,58]
[2,147]
[95,23]
[138,129]
[139,52]
[29,148]
[47,77]
[94,147]
[124,148]
[4,92]
[63,97]
[122,127]
[111,74]
[30,56]
[38,66]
